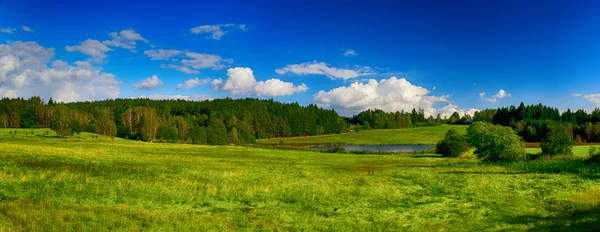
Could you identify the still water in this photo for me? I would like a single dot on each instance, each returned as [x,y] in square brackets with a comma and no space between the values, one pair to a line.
[389,148]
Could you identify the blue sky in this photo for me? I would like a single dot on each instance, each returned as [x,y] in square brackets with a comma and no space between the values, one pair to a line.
[322,52]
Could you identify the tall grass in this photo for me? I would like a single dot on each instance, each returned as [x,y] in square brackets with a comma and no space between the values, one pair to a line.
[89,184]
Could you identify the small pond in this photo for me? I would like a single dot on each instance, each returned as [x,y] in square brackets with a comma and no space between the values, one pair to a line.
[388,148]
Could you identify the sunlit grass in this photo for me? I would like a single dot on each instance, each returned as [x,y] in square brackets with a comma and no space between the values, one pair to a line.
[89,184]
[417,135]
[578,151]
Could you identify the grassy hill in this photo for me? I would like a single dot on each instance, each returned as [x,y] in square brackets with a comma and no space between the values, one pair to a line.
[417,135]
[89,184]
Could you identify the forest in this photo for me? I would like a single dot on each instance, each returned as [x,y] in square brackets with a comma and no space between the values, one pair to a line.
[240,121]
[219,121]
[379,119]
[532,122]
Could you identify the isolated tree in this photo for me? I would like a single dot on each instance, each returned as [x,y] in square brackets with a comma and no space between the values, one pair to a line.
[557,141]
[495,142]
[453,144]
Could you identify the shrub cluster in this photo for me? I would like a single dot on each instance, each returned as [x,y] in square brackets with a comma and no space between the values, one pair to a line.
[594,156]
[453,144]
[558,141]
[495,143]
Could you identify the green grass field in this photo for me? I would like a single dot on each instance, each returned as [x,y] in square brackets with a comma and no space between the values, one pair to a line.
[89,184]
[418,135]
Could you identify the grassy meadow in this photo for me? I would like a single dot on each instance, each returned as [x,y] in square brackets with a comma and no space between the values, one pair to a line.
[89,184]
[418,135]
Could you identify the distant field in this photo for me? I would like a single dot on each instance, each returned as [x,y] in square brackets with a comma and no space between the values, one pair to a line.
[56,184]
[417,135]
[580,151]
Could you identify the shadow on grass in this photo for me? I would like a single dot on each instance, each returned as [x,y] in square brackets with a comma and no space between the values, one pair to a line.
[426,156]
[542,165]
[51,136]
[52,163]
[63,137]
[485,172]
[558,165]
[586,219]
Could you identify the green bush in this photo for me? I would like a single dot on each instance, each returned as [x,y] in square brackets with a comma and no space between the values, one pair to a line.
[594,156]
[557,142]
[495,143]
[452,145]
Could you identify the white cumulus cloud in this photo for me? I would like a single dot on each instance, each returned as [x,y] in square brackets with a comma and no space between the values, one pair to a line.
[27,69]
[448,110]
[216,31]
[8,30]
[241,81]
[202,61]
[350,52]
[275,87]
[180,68]
[190,62]
[162,54]
[191,83]
[149,83]
[196,97]
[318,68]
[501,94]
[593,98]
[126,39]
[26,29]
[393,94]
[91,47]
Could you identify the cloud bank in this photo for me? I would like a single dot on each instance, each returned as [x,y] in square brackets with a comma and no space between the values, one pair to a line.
[241,81]
[27,69]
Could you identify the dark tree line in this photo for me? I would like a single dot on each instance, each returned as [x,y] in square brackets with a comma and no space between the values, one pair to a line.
[534,121]
[239,121]
[219,121]
[379,119]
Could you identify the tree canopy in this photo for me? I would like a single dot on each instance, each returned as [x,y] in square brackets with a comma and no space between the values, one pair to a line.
[495,143]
